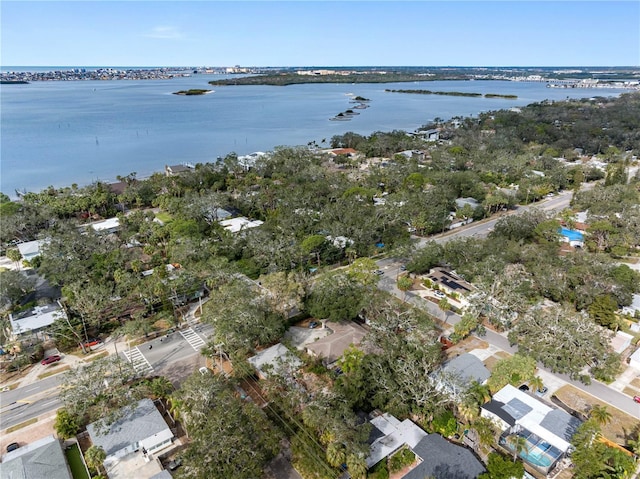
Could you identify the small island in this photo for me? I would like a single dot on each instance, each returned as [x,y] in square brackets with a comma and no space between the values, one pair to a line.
[454,93]
[193,91]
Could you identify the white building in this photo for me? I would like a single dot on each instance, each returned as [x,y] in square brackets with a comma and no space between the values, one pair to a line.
[36,319]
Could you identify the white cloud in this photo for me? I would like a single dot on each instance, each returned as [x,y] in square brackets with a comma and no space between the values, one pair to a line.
[170,33]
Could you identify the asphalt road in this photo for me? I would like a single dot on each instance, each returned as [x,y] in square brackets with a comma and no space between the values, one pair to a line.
[174,358]
[392,268]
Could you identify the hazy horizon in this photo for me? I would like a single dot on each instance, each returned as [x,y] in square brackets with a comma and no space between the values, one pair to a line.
[293,33]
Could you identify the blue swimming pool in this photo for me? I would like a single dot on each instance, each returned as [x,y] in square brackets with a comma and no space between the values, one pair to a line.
[571,234]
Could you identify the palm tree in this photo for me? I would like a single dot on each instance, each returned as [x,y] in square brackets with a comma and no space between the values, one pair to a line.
[485,430]
[336,454]
[535,383]
[94,457]
[518,444]
[600,415]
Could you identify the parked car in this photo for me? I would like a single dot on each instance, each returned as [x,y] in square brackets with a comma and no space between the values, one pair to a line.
[175,464]
[439,294]
[524,388]
[93,342]
[50,359]
[204,371]
[313,324]
[378,272]
[636,399]
[13,446]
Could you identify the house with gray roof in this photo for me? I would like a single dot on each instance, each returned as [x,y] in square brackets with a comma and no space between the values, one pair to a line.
[44,458]
[275,360]
[547,429]
[142,428]
[455,376]
[436,457]
[441,459]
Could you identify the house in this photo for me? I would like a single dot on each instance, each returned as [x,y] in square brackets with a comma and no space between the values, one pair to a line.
[34,320]
[459,373]
[44,458]
[348,152]
[138,433]
[461,202]
[331,348]
[634,359]
[175,170]
[30,249]
[436,457]
[235,225]
[276,359]
[450,282]
[574,238]
[107,226]
[548,429]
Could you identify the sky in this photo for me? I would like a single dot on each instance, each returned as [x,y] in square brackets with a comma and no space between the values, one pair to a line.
[320,33]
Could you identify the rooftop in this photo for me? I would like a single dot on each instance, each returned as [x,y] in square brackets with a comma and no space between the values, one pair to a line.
[468,367]
[333,346]
[277,357]
[444,460]
[240,223]
[40,459]
[135,426]
[390,435]
[36,318]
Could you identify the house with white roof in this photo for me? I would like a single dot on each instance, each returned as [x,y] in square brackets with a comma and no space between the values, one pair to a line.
[547,429]
[235,225]
[30,249]
[34,320]
[107,226]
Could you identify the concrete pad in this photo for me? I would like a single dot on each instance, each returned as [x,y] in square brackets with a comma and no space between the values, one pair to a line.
[300,337]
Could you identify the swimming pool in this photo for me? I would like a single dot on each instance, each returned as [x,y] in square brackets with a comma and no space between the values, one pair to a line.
[571,234]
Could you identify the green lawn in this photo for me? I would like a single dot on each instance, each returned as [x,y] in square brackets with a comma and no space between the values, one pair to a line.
[74,458]
[164,217]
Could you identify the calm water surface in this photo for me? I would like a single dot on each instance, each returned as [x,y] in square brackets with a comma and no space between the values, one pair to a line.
[59,133]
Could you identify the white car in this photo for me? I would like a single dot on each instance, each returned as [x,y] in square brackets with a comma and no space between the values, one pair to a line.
[439,294]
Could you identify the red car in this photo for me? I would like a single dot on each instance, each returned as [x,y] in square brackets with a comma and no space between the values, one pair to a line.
[50,359]
[92,342]
[636,399]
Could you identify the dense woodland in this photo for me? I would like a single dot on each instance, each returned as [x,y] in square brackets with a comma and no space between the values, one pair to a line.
[321,212]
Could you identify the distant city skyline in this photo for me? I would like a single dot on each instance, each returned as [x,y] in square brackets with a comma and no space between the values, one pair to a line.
[320,33]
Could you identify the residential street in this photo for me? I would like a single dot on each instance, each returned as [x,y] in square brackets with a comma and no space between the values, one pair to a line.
[175,358]
[392,269]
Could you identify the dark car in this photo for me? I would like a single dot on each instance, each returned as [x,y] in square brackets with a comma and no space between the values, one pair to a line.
[13,446]
[313,324]
[50,359]
[524,388]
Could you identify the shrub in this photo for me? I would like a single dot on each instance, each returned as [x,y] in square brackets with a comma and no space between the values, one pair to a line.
[401,459]
[379,471]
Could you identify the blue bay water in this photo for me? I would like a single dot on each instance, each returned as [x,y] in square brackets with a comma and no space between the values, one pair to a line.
[62,132]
